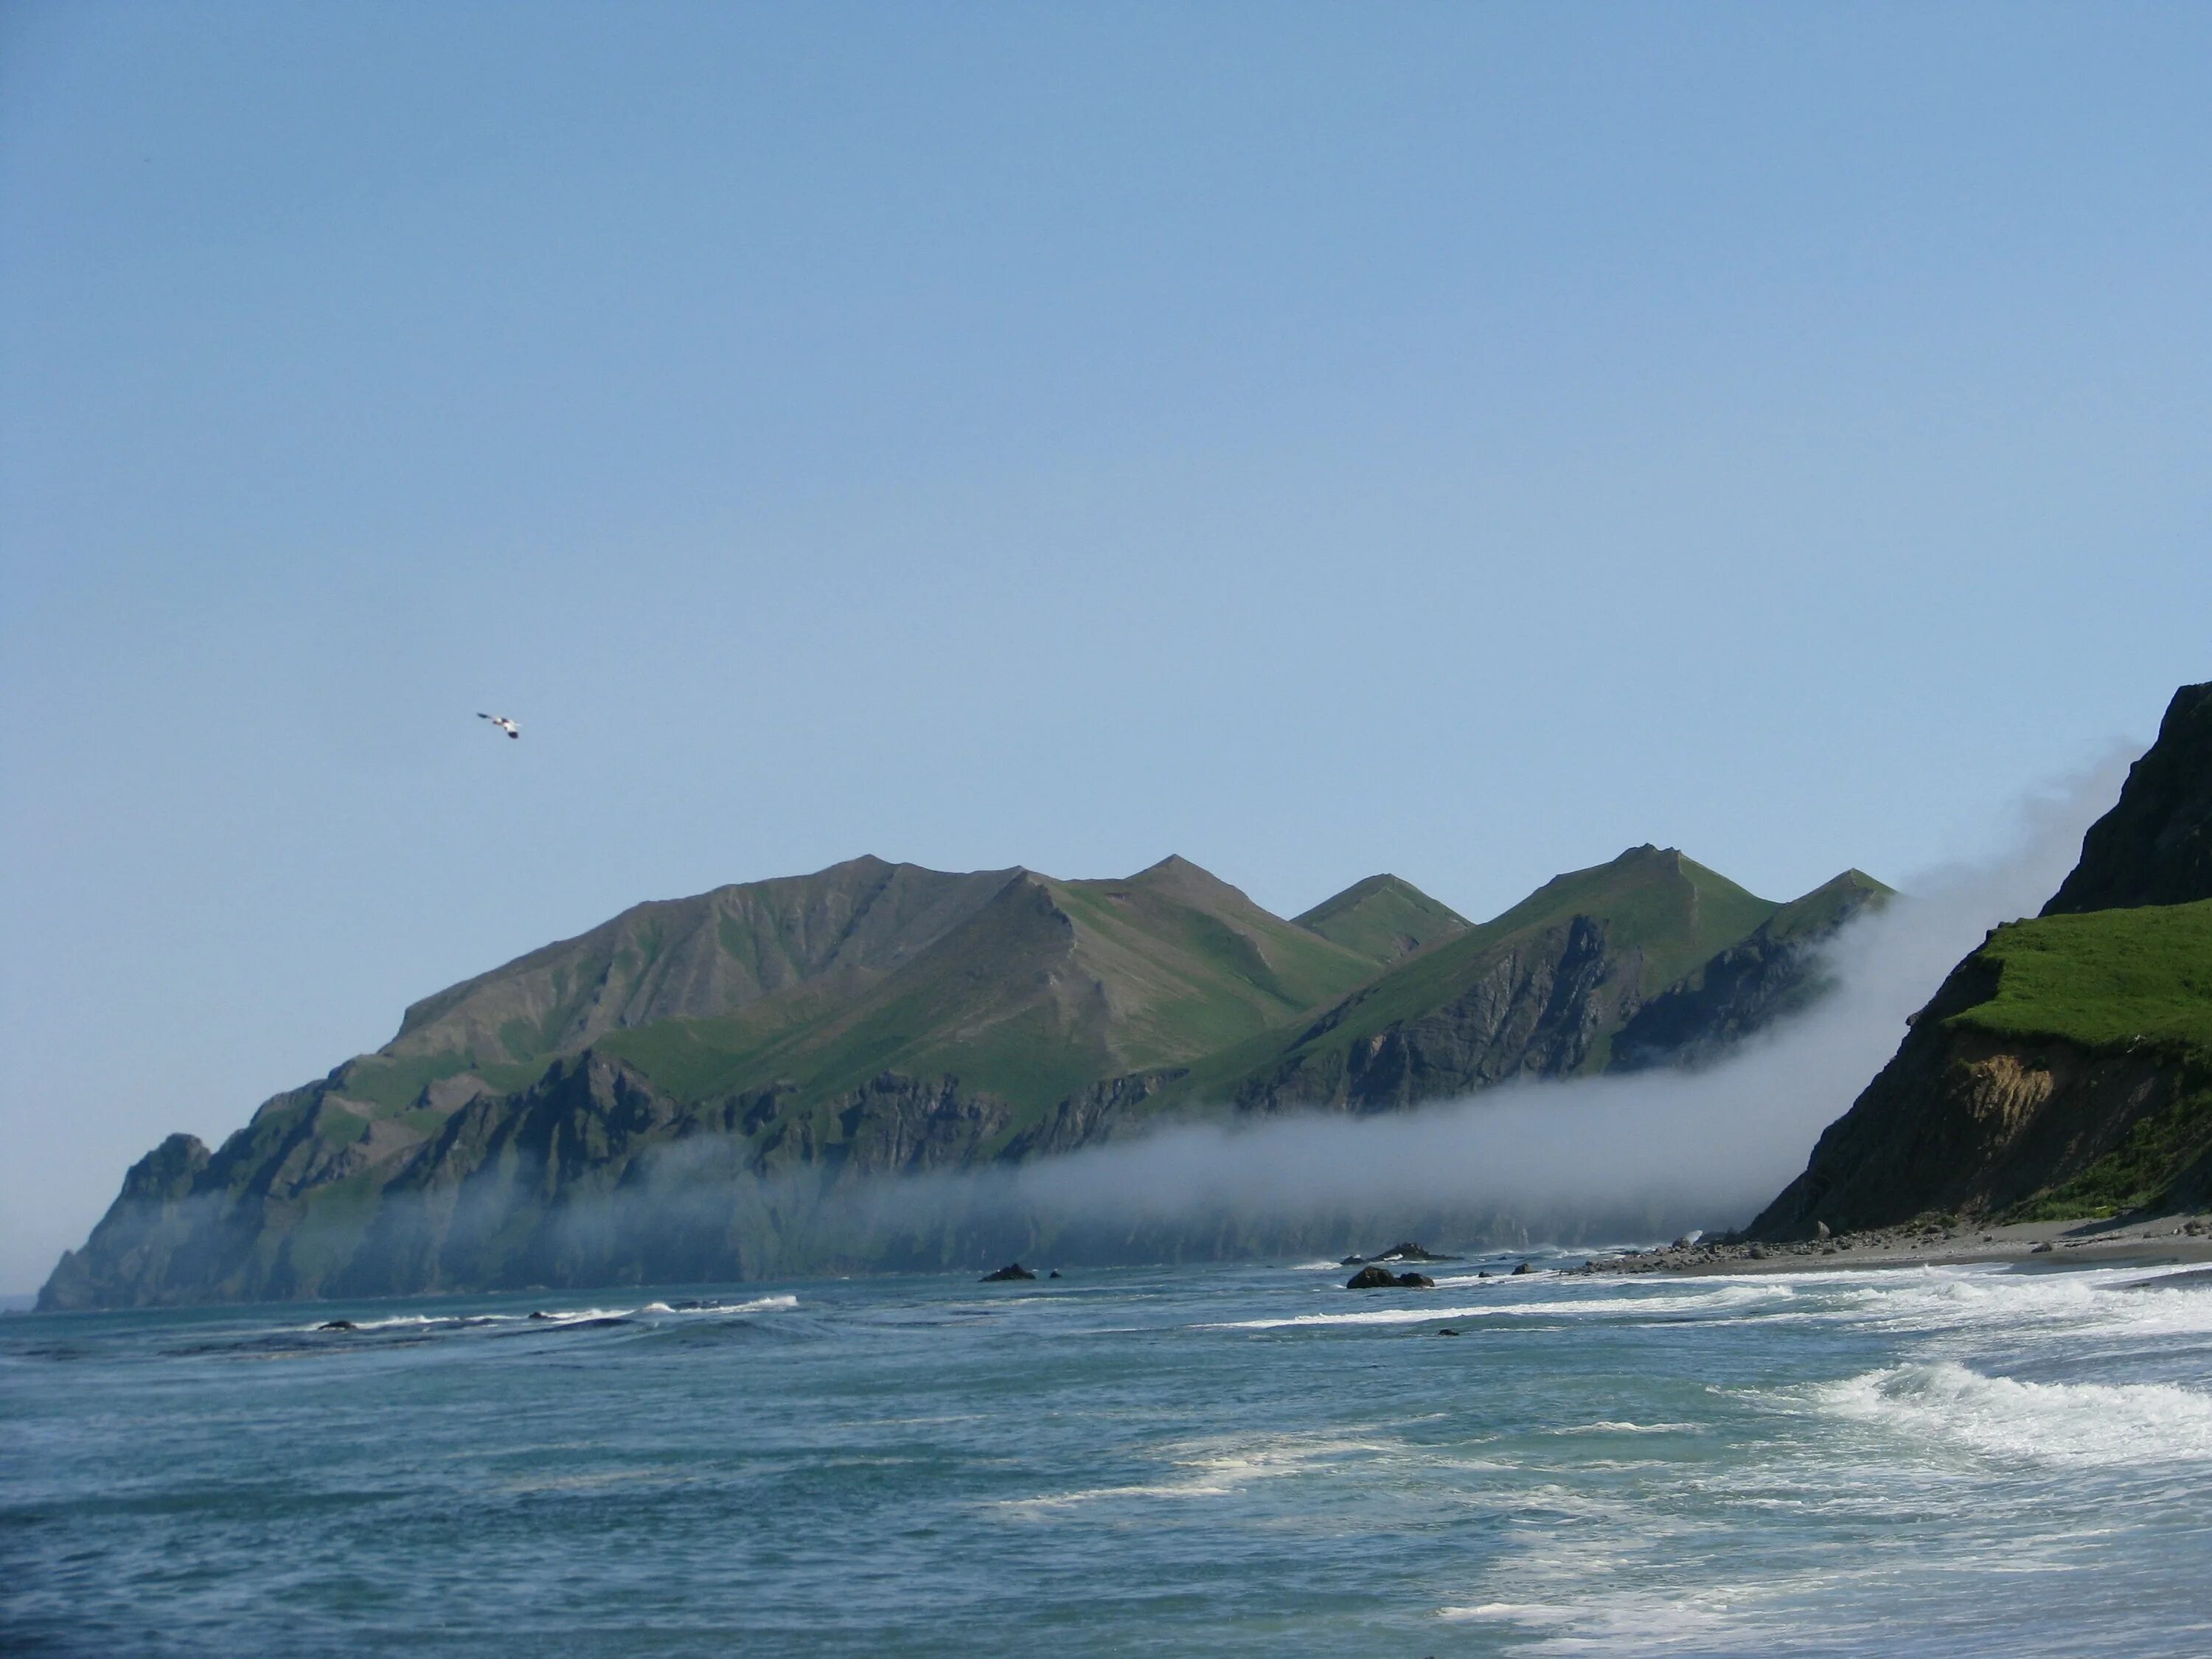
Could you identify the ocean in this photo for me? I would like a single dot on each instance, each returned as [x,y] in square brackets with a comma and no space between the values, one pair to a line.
[1217,1460]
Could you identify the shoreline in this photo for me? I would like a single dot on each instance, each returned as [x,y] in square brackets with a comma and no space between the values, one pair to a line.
[2161,1241]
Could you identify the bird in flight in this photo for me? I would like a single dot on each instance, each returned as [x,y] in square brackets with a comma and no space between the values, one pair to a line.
[503,723]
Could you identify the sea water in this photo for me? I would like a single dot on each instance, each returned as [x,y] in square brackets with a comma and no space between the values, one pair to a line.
[1233,1460]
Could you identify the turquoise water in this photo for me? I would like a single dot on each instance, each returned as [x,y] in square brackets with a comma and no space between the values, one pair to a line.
[1223,1459]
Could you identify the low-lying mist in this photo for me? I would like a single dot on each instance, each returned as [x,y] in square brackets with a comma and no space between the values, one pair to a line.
[1634,1155]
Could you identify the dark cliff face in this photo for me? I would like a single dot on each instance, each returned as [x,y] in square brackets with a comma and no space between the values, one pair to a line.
[590,1177]
[1969,1123]
[1965,1123]
[1745,989]
[1776,972]
[1538,1010]
[2156,846]
[2097,1103]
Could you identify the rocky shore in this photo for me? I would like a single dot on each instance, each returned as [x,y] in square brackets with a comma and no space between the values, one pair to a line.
[2123,1243]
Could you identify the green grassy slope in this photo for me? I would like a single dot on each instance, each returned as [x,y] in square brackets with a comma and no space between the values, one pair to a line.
[711,954]
[2103,980]
[1676,911]
[1818,911]
[1383,918]
[1673,912]
[2128,982]
[1052,985]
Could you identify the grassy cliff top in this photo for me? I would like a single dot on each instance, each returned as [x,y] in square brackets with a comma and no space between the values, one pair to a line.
[2102,979]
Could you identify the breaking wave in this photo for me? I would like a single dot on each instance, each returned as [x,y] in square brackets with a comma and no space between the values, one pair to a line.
[2077,1423]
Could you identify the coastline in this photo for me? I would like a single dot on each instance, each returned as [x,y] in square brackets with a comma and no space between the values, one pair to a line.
[2161,1241]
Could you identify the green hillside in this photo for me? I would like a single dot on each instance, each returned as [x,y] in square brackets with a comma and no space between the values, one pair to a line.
[1471,1009]
[1674,912]
[2102,979]
[1383,918]
[1051,986]
[711,954]
[1818,913]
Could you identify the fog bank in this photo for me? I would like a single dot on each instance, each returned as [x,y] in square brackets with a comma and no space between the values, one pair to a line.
[1633,1155]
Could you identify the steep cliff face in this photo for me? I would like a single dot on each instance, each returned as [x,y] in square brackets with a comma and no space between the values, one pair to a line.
[1772,975]
[2154,847]
[2065,1067]
[588,1176]
[1537,1007]
[1974,1122]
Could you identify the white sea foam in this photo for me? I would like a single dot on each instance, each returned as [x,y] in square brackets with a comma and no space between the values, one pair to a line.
[2079,1423]
[1726,1296]
[1214,1468]
[415,1322]
[760,1304]
[563,1317]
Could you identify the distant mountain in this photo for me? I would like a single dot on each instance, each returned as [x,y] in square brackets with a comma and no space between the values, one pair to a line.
[1544,990]
[1383,918]
[783,1040]
[1767,976]
[2065,1068]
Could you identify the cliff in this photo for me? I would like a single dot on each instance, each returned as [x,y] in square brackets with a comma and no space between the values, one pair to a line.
[2065,1068]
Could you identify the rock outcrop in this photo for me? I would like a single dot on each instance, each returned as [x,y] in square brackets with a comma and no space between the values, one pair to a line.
[1381,1279]
[2154,847]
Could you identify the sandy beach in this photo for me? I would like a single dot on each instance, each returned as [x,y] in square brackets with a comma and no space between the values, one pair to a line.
[2124,1243]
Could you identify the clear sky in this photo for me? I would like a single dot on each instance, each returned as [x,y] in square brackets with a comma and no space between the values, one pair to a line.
[1456,440]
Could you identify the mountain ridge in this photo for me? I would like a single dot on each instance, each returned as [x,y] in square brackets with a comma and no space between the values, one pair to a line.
[869,1019]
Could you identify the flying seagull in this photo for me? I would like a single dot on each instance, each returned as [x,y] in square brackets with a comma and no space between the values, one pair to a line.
[503,723]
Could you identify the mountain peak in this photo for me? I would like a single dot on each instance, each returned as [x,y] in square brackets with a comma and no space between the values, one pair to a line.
[1383,917]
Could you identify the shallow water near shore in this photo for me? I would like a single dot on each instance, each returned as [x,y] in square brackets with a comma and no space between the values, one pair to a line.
[1214,1459]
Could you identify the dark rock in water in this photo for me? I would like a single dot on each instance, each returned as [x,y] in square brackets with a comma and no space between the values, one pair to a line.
[1055,1273]
[1381,1279]
[1012,1270]
[1446,1330]
[1524,1268]
[1353,1261]
[337,1325]
[540,1313]
[1409,1251]
[1485,1273]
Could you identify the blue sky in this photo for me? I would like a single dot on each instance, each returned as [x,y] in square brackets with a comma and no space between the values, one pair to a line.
[1461,441]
